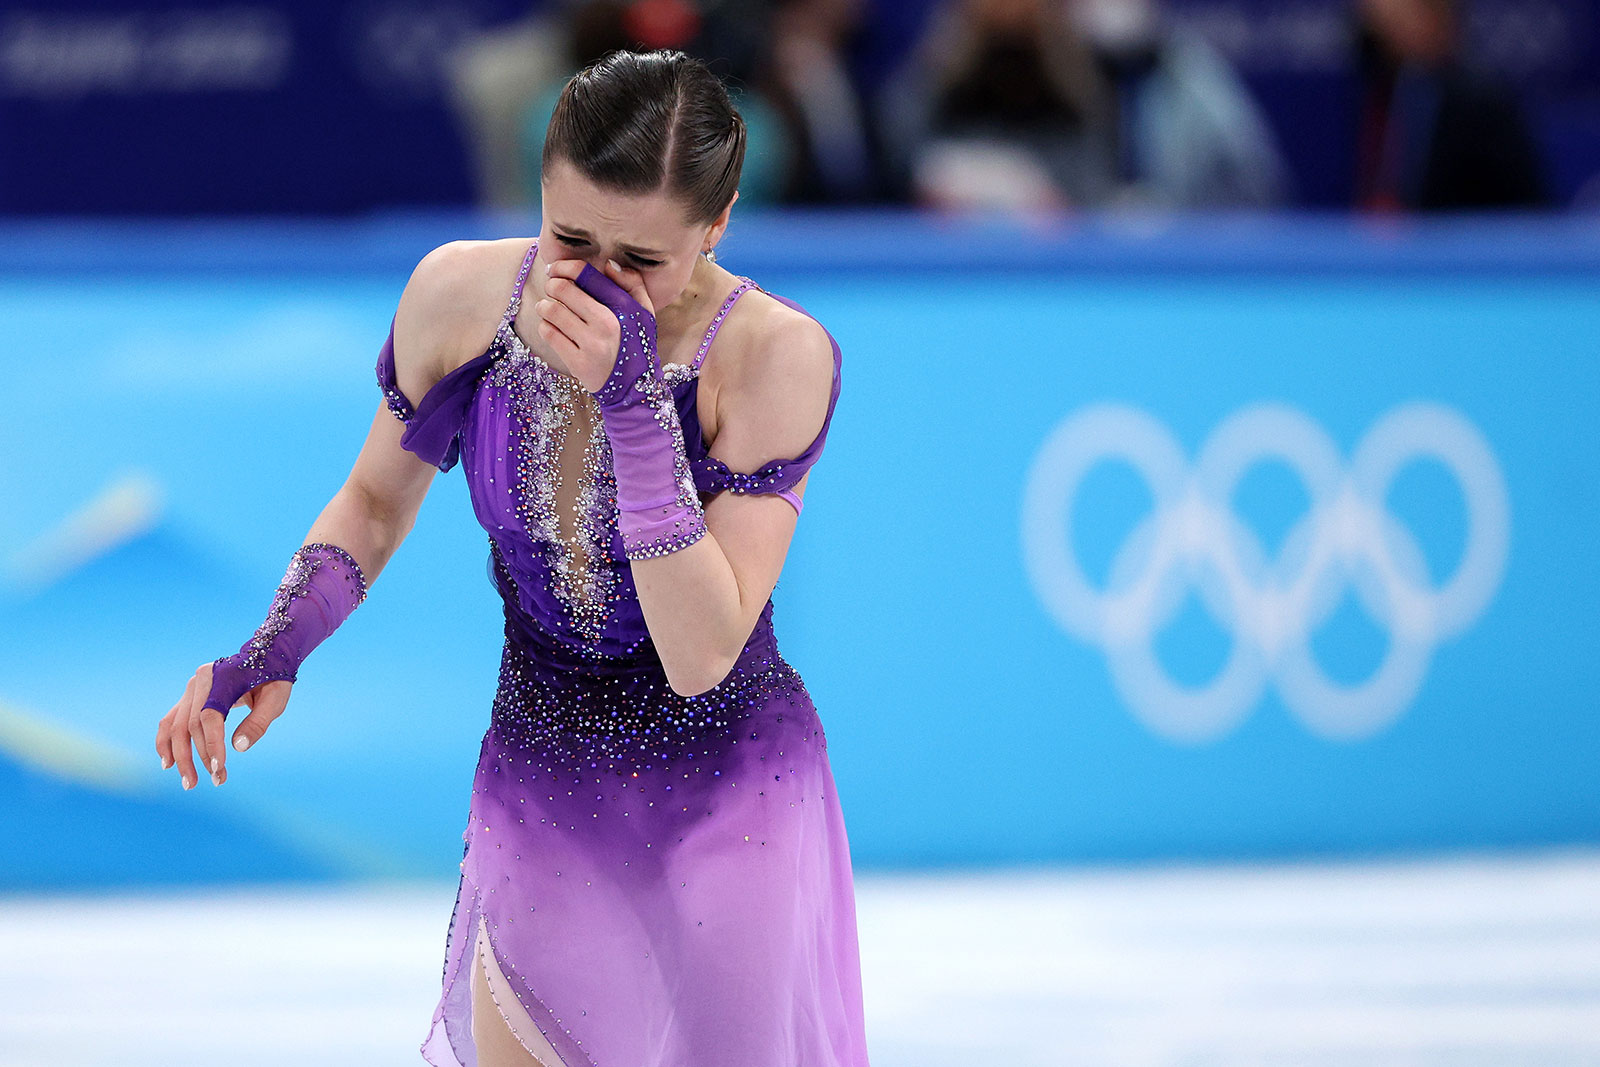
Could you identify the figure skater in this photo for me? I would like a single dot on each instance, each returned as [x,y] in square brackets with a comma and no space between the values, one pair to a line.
[655,871]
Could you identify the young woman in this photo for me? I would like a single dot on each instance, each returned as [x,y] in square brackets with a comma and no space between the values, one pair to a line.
[656,872]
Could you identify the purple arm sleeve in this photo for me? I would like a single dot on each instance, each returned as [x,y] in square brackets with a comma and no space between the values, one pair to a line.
[658,506]
[322,586]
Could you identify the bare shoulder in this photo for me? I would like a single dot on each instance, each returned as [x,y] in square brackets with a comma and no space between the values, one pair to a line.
[774,396]
[452,304]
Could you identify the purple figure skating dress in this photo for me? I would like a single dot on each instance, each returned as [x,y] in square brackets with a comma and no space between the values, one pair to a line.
[666,880]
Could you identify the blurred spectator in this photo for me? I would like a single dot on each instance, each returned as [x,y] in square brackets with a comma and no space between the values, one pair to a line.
[1051,104]
[996,106]
[505,84]
[1184,131]
[491,78]
[1436,135]
[835,149]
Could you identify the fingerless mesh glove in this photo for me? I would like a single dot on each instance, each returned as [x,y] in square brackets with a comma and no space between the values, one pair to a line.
[322,586]
[658,506]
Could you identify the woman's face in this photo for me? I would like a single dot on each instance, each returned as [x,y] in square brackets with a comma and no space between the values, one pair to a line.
[644,233]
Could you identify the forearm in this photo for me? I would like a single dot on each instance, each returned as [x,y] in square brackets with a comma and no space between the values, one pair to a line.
[357,523]
[326,579]
[694,609]
[688,591]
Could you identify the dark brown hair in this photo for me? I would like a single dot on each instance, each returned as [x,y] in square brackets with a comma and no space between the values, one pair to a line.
[635,122]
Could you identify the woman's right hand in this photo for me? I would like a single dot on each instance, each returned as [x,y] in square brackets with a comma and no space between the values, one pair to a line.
[190,729]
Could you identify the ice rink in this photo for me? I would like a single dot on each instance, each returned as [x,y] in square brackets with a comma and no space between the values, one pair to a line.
[1460,960]
[1195,601]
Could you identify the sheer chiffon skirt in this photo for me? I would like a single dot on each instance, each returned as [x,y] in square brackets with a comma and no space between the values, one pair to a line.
[667,894]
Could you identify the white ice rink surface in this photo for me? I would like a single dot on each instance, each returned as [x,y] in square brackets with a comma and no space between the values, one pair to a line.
[1456,961]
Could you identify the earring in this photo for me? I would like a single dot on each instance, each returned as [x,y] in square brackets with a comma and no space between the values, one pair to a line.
[711,257]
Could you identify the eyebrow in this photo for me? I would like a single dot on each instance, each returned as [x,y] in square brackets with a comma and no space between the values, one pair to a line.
[578,231]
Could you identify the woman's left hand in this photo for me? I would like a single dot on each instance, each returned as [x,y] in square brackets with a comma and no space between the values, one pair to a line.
[585,333]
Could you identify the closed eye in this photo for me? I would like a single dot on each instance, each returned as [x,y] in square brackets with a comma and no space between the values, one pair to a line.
[577,242]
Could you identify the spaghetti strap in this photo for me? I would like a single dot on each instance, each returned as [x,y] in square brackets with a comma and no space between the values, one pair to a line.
[522,279]
[778,476]
[744,286]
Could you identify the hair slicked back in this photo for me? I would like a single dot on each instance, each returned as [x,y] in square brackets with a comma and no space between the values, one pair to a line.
[638,122]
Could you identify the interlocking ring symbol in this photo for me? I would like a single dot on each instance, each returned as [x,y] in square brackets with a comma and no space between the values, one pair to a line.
[1192,539]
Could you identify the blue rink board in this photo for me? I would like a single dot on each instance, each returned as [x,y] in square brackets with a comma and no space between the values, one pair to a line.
[981,705]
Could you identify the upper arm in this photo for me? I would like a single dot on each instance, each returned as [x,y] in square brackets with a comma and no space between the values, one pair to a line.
[442,319]
[772,408]
[392,481]
[436,322]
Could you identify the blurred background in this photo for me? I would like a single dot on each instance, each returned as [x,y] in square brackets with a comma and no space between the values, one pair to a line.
[1197,590]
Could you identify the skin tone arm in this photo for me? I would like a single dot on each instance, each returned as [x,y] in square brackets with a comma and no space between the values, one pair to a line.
[701,603]
[369,516]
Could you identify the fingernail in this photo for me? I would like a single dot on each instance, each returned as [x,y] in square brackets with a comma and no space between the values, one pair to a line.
[241,742]
[165,763]
[548,267]
[612,264]
[187,784]
[213,766]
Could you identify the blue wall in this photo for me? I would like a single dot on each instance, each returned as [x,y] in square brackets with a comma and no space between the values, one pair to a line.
[1213,539]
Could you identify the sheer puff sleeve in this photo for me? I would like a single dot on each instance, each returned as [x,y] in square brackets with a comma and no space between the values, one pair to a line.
[433,424]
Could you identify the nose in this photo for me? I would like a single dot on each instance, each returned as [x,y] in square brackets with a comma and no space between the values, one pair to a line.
[597,261]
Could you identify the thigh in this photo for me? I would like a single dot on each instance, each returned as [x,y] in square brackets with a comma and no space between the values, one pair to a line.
[493,1001]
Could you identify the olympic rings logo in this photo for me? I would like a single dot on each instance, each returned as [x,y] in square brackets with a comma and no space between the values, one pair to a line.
[1193,540]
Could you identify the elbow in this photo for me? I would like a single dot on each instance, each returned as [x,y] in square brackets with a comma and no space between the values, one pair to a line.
[389,527]
[701,677]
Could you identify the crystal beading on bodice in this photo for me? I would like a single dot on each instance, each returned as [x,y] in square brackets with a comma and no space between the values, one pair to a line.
[547,405]
[578,531]
[627,841]
[550,511]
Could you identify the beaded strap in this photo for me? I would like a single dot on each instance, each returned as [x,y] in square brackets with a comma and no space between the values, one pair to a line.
[778,476]
[506,334]
[745,284]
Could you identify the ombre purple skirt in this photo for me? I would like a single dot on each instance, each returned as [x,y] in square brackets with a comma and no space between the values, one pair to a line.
[665,880]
